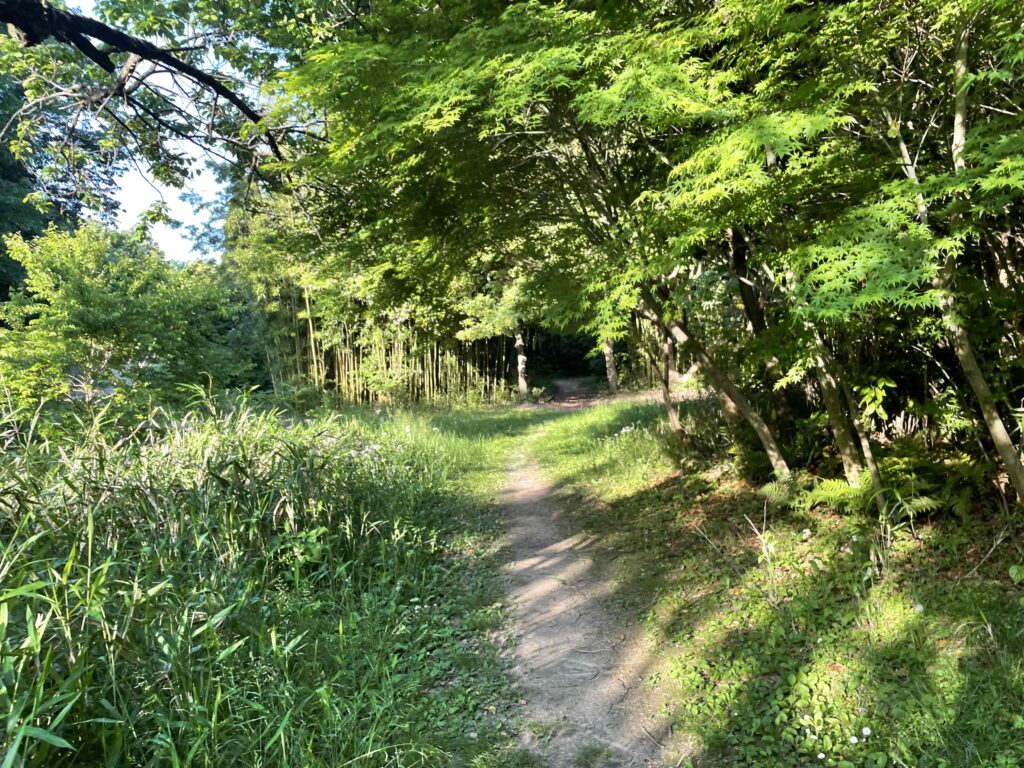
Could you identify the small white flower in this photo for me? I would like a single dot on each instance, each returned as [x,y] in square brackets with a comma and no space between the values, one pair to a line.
[821,755]
[866,731]
[854,739]
[414,599]
[853,538]
[806,533]
[919,608]
[814,737]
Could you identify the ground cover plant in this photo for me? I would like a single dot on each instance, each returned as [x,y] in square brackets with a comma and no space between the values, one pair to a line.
[791,641]
[234,586]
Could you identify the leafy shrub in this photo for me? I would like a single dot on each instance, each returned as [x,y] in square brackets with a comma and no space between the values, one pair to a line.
[104,319]
[922,482]
[838,494]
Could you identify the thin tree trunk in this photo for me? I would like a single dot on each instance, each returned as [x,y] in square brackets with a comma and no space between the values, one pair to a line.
[314,357]
[738,246]
[667,364]
[950,312]
[860,428]
[976,378]
[753,308]
[270,369]
[724,386]
[837,417]
[831,376]
[721,381]
[943,282]
[524,387]
[609,366]
[300,369]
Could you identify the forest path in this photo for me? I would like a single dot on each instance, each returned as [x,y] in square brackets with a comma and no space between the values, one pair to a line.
[581,670]
[575,392]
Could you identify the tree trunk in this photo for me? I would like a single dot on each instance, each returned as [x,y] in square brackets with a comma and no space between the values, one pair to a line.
[943,282]
[609,366]
[860,428]
[738,247]
[976,378]
[837,416]
[753,308]
[723,385]
[955,327]
[721,381]
[524,387]
[831,377]
[297,346]
[314,364]
[667,364]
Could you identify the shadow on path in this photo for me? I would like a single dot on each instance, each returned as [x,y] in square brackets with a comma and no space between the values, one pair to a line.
[583,672]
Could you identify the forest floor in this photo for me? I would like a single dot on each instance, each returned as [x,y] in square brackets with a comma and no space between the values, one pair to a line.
[582,670]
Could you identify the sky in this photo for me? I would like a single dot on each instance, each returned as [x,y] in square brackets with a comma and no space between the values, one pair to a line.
[138,191]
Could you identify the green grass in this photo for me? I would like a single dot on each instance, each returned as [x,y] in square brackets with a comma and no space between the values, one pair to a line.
[237,588]
[785,639]
[542,731]
[592,756]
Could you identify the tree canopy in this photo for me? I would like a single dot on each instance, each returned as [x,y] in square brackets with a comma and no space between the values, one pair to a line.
[799,197]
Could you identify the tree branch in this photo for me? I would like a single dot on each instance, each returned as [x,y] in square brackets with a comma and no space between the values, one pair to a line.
[30,22]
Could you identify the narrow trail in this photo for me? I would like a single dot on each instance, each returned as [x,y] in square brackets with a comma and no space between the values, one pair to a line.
[581,671]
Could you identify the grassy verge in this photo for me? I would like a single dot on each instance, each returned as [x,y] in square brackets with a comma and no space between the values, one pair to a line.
[790,645]
[230,588]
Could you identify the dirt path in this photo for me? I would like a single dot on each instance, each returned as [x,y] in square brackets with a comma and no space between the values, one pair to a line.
[587,704]
[575,393]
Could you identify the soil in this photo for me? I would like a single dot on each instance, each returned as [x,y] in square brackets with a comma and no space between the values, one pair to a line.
[585,674]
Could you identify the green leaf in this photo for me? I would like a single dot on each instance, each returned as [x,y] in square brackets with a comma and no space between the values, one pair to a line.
[43,735]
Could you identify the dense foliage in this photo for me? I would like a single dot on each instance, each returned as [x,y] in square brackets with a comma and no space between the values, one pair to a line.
[832,238]
[102,317]
[801,224]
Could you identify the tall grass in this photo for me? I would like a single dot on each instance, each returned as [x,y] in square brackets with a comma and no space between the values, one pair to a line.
[227,589]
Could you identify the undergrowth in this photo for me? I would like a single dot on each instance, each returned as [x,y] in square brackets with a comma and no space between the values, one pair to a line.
[231,587]
[788,644]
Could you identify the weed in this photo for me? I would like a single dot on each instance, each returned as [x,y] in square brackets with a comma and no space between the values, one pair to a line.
[507,757]
[542,730]
[591,756]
